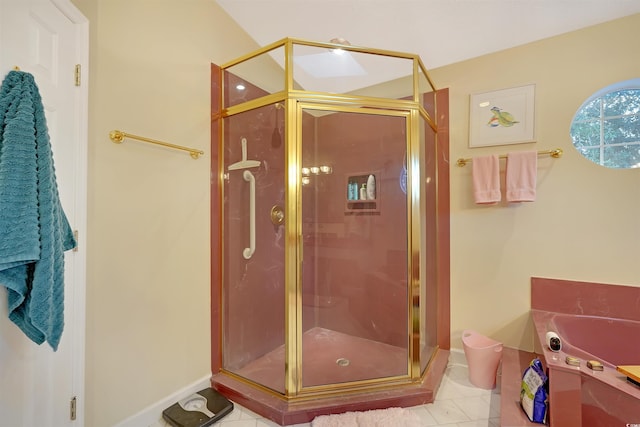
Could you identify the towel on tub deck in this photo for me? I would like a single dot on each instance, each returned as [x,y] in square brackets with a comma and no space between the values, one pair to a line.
[485,172]
[521,176]
[34,231]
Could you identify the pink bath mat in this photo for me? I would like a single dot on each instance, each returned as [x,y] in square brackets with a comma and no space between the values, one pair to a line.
[390,417]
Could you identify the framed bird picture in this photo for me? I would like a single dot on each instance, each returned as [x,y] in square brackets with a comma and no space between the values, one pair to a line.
[502,117]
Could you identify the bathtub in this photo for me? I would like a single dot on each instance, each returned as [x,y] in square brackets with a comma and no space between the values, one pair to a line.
[579,396]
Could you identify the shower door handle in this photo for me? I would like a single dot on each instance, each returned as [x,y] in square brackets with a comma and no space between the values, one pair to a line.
[248,252]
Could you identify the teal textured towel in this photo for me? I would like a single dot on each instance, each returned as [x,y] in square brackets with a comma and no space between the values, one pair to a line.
[34,231]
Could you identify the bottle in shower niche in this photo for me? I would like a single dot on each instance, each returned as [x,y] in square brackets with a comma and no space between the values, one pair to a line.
[356,191]
[363,192]
[371,187]
[352,191]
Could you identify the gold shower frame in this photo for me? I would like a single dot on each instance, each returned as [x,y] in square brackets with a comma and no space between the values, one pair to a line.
[294,101]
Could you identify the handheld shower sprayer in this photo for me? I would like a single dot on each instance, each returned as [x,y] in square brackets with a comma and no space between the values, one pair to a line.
[276,136]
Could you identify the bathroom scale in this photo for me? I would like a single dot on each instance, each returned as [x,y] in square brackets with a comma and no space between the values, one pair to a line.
[632,372]
[198,410]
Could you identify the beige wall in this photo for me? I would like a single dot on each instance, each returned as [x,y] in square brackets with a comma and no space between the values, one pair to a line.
[148,259]
[584,224]
[148,324]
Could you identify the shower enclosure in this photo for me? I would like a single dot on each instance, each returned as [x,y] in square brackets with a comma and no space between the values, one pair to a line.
[330,256]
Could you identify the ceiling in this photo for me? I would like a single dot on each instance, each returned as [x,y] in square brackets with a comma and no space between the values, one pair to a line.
[442,32]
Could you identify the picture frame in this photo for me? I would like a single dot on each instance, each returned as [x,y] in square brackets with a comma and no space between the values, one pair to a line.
[502,117]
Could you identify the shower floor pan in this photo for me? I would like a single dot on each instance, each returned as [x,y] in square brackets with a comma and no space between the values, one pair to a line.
[330,357]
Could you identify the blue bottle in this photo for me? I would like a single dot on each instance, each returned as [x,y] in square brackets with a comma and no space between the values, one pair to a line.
[350,190]
[354,191]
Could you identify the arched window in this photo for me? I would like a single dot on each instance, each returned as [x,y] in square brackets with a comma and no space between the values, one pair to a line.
[606,128]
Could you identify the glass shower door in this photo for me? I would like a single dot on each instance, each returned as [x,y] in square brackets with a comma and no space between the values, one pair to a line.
[253,247]
[355,302]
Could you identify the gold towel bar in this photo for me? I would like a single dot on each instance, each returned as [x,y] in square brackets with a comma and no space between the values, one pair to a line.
[553,153]
[117,136]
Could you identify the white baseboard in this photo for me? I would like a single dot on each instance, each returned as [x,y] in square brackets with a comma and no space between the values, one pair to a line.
[151,415]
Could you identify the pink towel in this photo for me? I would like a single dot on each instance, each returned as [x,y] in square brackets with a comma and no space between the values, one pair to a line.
[486,179]
[521,174]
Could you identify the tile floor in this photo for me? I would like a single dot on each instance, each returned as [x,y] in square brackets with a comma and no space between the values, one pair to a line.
[457,404]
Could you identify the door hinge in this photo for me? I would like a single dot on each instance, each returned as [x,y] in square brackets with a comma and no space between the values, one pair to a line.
[75,236]
[72,408]
[78,72]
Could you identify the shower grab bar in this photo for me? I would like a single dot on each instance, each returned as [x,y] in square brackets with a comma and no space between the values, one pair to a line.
[248,252]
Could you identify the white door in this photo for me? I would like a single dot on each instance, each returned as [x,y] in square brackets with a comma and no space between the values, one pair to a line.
[47,38]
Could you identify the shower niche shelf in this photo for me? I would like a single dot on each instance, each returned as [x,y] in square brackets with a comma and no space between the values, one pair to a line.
[368,205]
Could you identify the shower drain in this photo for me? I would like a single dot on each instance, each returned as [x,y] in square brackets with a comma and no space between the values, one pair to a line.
[342,362]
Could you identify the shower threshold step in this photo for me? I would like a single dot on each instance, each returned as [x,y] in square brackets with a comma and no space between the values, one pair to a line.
[286,413]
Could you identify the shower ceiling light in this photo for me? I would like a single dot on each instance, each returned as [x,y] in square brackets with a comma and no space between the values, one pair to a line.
[240,86]
[339,40]
[334,62]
